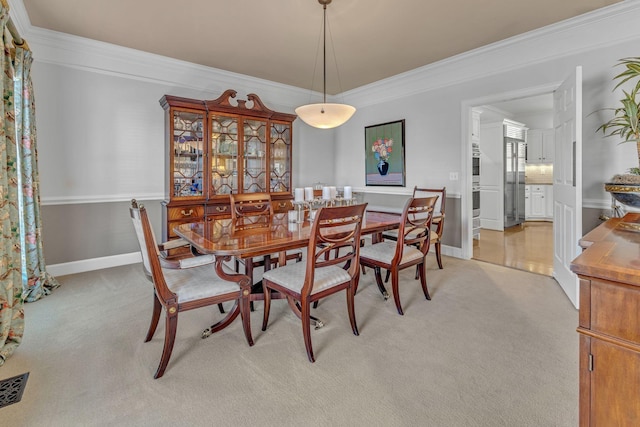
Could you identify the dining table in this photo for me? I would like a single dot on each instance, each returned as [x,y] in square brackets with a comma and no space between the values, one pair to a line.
[219,237]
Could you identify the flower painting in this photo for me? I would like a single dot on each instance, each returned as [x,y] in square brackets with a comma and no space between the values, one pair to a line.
[384,157]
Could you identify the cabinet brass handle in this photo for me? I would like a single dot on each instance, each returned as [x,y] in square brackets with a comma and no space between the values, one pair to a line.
[221,208]
[282,205]
[186,213]
[259,206]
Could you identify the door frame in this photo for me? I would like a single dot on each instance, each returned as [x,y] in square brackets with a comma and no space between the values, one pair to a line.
[466,111]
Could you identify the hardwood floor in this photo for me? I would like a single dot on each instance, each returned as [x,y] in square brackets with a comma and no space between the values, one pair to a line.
[526,247]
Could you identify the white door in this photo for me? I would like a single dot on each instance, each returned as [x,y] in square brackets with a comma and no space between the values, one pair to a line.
[567,181]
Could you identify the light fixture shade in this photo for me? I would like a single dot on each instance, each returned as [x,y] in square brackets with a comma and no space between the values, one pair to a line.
[325,116]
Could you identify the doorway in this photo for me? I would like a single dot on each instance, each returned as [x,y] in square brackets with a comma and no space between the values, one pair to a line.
[527,245]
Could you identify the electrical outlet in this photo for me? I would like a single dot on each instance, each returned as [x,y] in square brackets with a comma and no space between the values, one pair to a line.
[453,176]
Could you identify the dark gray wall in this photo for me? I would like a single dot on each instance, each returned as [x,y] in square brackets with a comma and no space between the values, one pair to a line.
[75,232]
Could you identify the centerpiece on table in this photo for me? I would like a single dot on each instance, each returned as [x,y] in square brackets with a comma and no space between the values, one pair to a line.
[382,151]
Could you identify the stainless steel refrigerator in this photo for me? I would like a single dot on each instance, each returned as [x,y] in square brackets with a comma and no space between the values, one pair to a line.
[515,151]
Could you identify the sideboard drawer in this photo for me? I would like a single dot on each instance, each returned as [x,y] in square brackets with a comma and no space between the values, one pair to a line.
[194,212]
[615,309]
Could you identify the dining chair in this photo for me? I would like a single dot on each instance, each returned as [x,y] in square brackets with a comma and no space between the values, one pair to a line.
[194,284]
[336,228]
[187,258]
[410,248]
[437,224]
[254,211]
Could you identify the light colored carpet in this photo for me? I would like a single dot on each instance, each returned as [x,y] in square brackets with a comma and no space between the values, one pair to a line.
[494,347]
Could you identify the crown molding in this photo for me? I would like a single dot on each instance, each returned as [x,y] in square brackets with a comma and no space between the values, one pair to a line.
[601,28]
[76,52]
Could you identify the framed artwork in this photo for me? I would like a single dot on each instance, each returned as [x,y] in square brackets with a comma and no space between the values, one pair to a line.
[384,154]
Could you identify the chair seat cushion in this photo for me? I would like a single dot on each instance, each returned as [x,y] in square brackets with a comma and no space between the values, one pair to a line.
[384,251]
[195,283]
[292,277]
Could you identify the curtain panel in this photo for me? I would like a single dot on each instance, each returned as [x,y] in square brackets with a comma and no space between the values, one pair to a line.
[23,276]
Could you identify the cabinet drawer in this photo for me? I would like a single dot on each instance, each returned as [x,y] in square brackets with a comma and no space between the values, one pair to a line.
[219,210]
[614,310]
[186,212]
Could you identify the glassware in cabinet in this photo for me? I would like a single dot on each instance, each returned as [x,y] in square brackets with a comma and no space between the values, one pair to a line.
[280,157]
[188,151]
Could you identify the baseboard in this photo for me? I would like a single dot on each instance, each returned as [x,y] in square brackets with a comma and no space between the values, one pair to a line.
[81,266]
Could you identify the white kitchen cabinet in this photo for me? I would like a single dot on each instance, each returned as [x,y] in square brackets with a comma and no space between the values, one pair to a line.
[475,125]
[538,202]
[540,146]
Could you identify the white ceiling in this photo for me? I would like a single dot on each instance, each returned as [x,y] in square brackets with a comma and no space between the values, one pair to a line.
[281,40]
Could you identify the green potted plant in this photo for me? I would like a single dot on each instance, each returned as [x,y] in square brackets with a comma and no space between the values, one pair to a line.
[626,124]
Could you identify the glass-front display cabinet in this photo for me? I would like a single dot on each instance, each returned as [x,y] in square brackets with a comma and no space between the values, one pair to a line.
[219,147]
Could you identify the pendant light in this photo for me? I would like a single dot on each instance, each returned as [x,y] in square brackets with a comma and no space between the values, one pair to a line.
[325,116]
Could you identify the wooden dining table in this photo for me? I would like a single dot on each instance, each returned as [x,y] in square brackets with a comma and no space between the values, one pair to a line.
[220,238]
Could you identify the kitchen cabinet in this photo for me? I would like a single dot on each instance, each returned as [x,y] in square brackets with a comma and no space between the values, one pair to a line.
[539,202]
[609,325]
[540,146]
[215,148]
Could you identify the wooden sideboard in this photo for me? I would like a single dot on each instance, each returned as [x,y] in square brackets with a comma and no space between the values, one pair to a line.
[609,323]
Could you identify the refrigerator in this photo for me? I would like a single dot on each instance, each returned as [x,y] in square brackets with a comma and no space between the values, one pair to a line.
[515,152]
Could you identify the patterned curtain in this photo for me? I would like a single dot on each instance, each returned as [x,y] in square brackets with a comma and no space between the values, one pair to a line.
[23,276]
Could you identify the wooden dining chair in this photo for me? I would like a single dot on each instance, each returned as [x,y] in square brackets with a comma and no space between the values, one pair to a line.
[254,211]
[410,248]
[193,285]
[336,228]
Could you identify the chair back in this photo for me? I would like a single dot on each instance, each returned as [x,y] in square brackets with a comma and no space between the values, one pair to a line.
[149,249]
[415,225]
[335,230]
[426,192]
[251,210]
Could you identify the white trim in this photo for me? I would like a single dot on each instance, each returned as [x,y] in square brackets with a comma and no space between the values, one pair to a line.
[81,266]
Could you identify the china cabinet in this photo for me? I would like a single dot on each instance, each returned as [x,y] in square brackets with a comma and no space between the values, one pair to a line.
[218,147]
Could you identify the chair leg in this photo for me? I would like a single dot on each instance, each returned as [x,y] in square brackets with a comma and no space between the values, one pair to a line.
[171,325]
[350,308]
[221,308]
[438,254]
[315,304]
[267,305]
[394,288]
[423,279]
[306,329]
[155,317]
[386,279]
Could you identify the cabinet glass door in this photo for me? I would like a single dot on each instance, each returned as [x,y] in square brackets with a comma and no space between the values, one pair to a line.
[224,154]
[254,153]
[280,175]
[188,146]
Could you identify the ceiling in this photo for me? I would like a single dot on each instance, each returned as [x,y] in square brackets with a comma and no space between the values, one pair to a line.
[281,40]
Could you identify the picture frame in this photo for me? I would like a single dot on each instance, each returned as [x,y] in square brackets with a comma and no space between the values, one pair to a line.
[384,154]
